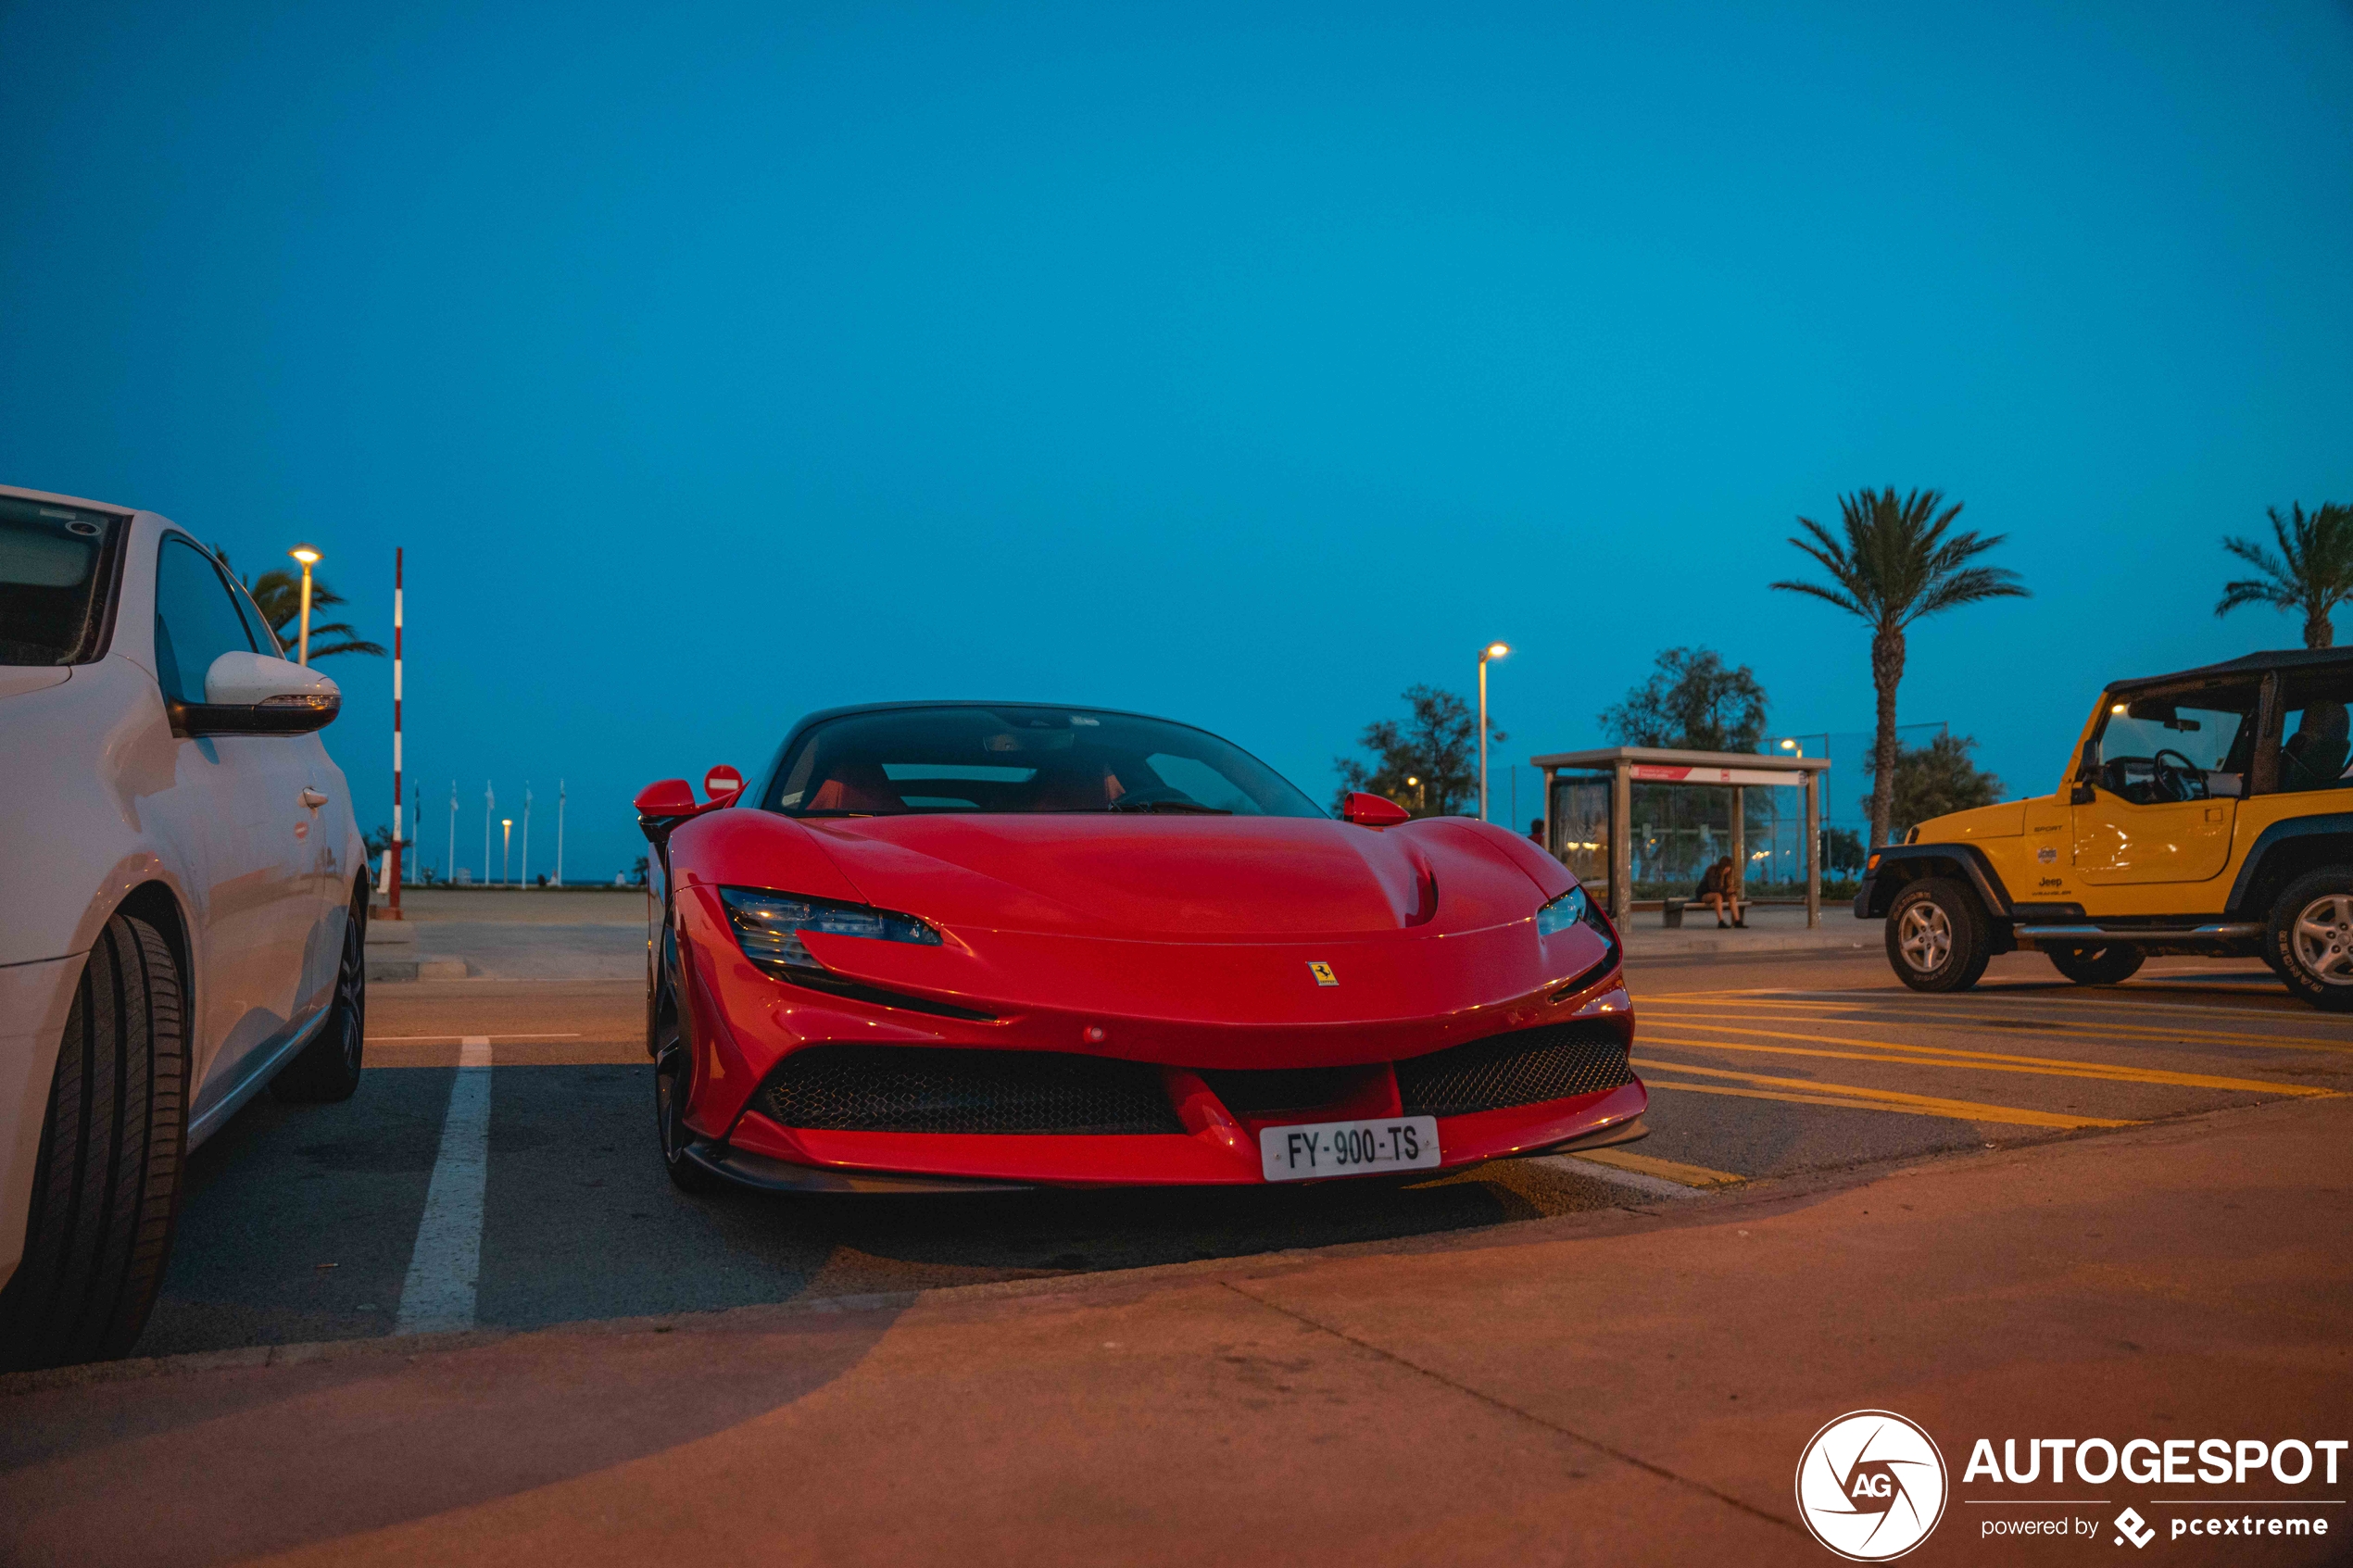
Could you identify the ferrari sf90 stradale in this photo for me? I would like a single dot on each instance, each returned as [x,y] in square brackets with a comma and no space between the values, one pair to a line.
[955,944]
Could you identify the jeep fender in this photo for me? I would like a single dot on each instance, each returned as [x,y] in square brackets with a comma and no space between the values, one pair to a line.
[2283,851]
[1901,863]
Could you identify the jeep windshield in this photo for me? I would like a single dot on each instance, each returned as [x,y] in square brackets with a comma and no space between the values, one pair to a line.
[1020,759]
[2191,744]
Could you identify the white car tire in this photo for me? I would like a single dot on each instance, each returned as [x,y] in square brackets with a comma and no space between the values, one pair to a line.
[106,1189]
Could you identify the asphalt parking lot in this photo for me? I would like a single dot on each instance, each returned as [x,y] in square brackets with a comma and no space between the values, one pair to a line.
[465,1319]
[309,1224]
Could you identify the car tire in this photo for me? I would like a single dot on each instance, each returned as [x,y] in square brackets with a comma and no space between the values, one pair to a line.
[106,1183]
[1937,936]
[2311,935]
[671,1081]
[2098,966]
[328,1068]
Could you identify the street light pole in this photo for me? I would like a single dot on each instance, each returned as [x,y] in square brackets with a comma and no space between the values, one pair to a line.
[505,843]
[309,557]
[1493,651]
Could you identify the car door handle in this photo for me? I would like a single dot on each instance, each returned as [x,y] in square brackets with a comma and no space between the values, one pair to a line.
[313,799]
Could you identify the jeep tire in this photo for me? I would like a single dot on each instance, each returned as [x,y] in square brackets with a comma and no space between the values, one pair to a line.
[2097,966]
[106,1183]
[1938,937]
[2310,937]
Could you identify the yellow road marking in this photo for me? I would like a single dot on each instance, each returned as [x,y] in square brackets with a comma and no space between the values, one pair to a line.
[1868,1105]
[1830,1012]
[1994,1002]
[1886,1100]
[1665,1169]
[1981,1061]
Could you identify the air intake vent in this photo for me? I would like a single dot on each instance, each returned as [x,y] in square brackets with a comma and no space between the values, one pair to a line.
[926,1089]
[1526,1067]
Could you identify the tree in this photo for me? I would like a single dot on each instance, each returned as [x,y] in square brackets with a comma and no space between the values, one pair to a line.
[1439,745]
[279,595]
[1896,564]
[1842,847]
[1694,703]
[1932,780]
[2312,572]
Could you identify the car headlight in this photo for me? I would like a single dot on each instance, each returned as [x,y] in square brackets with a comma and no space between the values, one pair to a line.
[1563,912]
[1573,908]
[768,926]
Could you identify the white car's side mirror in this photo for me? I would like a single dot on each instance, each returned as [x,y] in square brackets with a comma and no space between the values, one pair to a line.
[251,694]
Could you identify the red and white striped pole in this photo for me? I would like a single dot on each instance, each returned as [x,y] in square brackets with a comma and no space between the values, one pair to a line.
[394,877]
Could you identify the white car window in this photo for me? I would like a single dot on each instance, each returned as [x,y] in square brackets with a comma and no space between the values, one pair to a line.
[196,622]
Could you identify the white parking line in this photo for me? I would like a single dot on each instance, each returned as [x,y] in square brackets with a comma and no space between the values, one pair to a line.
[438,1294]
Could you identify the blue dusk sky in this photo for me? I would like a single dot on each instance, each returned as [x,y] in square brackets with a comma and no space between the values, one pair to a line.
[1244,364]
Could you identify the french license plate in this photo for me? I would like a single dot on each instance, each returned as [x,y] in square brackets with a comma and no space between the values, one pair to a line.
[1348,1149]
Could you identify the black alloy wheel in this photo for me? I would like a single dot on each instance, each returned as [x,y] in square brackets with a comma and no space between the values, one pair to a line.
[2310,939]
[2097,966]
[328,1068]
[1937,935]
[674,1088]
[106,1184]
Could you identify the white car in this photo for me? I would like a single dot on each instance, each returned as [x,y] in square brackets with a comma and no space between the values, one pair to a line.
[184,901]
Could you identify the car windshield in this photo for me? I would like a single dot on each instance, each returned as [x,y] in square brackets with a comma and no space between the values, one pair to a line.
[51,576]
[900,761]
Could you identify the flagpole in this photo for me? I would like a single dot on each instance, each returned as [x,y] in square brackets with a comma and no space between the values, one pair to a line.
[451,871]
[489,809]
[560,833]
[524,877]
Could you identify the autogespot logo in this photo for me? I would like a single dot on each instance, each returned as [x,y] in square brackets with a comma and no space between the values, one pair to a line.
[1871,1485]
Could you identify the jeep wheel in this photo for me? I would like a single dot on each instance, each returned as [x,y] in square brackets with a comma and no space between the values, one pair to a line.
[2311,937]
[2097,966]
[106,1185]
[1936,935]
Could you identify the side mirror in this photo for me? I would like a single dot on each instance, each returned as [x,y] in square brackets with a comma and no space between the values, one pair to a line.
[252,694]
[2083,794]
[1372,811]
[670,798]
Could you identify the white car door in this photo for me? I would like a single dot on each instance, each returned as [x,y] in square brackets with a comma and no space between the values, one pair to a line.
[236,805]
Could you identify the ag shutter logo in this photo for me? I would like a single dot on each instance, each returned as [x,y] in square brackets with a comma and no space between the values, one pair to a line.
[1871,1485]
[2131,1526]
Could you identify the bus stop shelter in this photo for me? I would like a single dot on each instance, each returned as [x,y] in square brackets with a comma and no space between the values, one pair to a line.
[1606,855]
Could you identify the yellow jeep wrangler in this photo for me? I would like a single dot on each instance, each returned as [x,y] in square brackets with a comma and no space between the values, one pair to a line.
[2208,812]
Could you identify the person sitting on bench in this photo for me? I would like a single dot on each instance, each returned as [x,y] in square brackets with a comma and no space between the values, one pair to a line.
[1719,890]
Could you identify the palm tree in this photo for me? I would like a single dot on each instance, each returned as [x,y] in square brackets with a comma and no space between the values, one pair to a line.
[2313,571]
[1897,563]
[279,597]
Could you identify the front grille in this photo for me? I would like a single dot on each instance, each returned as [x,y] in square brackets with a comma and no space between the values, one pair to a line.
[1259,1091]
[1524,1067]
[925,1089]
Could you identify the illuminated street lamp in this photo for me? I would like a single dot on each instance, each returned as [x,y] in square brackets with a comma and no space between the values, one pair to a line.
[1493,651]
[309,557]
[506,837]
[1421,791]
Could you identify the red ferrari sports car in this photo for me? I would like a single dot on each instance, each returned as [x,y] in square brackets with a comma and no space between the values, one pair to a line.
[963,944]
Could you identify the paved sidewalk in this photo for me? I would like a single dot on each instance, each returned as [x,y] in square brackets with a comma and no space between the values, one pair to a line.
[1617,1387]
[1775,928]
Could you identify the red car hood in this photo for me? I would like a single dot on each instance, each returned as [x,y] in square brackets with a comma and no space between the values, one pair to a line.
[1182,877]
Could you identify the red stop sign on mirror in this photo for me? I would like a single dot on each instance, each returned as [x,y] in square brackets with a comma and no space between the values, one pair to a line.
[722,780]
